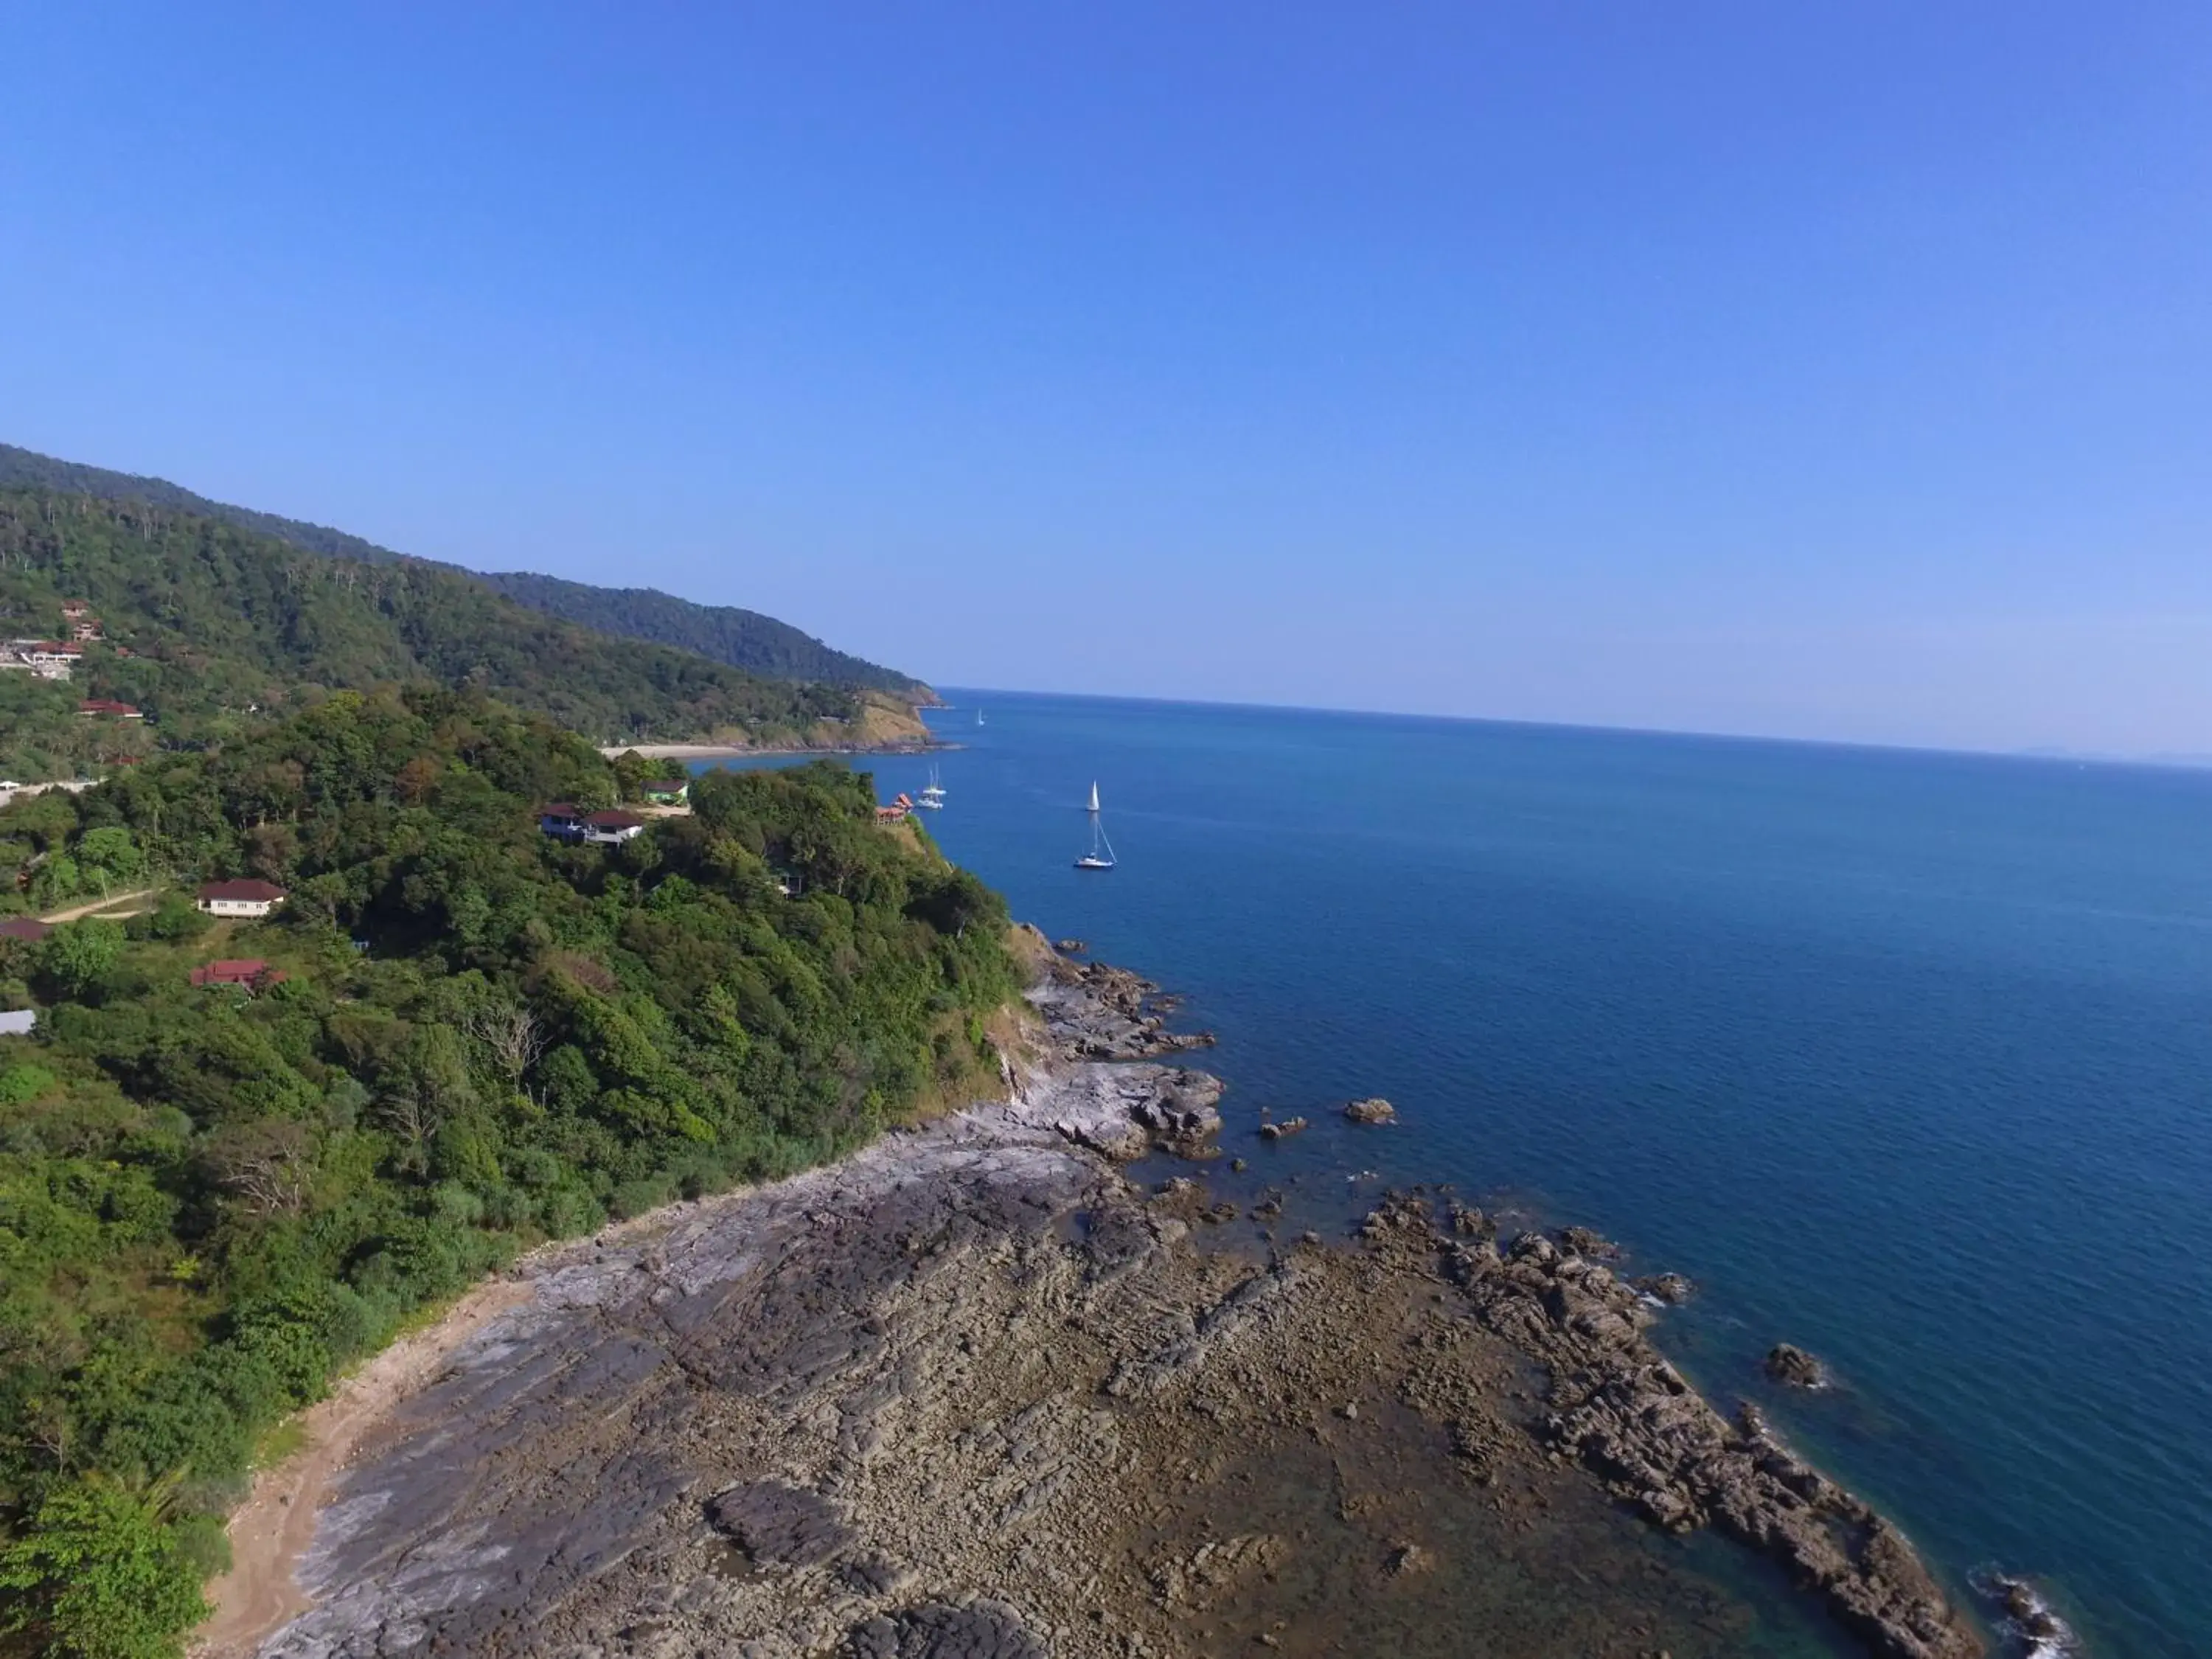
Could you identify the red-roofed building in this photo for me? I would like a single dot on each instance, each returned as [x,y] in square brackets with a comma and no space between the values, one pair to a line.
[239,898]
[109,707]
[29,929]
[251,972]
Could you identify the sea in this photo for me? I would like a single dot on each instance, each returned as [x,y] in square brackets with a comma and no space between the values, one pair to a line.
[1904,1057]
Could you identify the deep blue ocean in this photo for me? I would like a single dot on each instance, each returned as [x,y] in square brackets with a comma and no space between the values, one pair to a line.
[1904,1057]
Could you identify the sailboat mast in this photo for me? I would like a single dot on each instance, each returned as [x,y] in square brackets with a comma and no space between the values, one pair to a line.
[1101,856]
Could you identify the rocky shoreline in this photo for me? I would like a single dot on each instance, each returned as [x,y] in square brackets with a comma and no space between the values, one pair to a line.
[971,1391]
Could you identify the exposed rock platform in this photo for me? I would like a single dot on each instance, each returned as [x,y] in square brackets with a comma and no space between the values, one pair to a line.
[970,1392]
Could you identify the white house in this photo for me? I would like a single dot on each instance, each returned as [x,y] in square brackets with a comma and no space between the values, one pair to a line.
[612,829]
[239,898]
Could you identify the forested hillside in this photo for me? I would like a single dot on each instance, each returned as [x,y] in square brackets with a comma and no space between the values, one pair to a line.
[743,639]
[471,1038]
[758,644]
[207,624]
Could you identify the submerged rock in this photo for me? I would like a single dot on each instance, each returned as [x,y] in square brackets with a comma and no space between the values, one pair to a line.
[1583,1242]
[1671,1288]
[1375,1110]
[1288,1125]
[1793,1368]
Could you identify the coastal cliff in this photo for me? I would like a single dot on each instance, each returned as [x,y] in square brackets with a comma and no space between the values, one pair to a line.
[971,1391]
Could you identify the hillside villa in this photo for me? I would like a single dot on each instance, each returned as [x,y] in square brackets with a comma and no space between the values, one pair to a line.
[565,821]
[94,708]
[49,660]
[669,791]
[250,972]
[239,898]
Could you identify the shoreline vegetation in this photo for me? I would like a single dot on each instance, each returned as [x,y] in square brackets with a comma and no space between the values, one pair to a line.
[968,1389]
[239,1156]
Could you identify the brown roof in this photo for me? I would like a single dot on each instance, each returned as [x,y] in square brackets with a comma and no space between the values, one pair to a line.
[246,892]
[106,706]
[248,971]
[559,809]
[24,927]
[614,821]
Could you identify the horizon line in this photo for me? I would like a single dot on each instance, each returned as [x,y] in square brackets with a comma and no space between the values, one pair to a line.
[2163,761]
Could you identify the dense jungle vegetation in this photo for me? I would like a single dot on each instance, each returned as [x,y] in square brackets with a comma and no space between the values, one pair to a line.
[757,644]
[743,639]
[217,625]
[212,1199]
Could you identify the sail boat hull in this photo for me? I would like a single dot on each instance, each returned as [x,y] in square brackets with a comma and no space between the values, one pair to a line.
[1101,855]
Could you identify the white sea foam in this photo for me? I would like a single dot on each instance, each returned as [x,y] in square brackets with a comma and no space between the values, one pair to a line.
[2030,1620]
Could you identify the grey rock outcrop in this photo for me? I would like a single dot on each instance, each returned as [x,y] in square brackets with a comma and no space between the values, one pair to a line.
[779,1526]
[1621,1408]
[980,1629]
[1793,1367]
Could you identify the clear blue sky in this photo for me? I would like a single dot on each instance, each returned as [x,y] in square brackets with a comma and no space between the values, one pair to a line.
[1840,370]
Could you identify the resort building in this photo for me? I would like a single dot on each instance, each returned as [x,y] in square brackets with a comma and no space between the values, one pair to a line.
[239,898]
[612,829]
[565,821]
[49,660]
[669,792]
[249,972]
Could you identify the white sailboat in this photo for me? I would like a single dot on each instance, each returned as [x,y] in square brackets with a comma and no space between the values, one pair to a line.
[933,797]
[979,717]
[1101,855]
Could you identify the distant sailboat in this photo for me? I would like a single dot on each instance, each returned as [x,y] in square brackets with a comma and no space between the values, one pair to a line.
[1101,855]
[979,717]
[933,797]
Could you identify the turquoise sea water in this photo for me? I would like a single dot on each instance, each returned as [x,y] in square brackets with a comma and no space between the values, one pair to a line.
[1904,1057]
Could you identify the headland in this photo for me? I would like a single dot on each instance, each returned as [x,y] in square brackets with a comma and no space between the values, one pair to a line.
[970,1391]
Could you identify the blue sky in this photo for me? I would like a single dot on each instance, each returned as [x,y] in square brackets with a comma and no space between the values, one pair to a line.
[1821,370]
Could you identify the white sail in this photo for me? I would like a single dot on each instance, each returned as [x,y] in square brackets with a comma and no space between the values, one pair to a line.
[1094,796]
